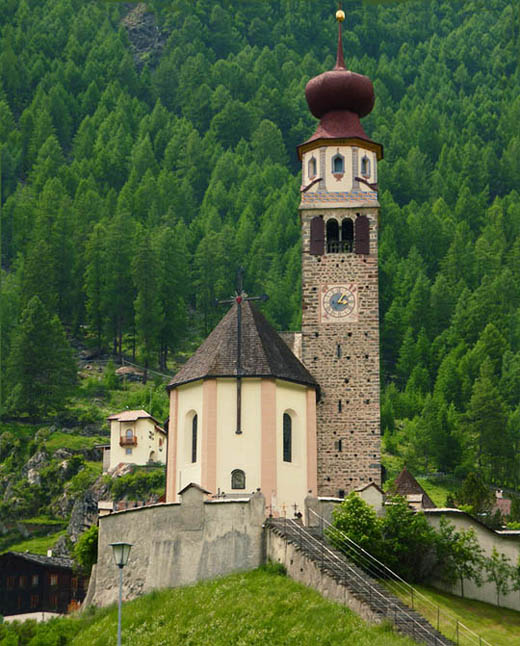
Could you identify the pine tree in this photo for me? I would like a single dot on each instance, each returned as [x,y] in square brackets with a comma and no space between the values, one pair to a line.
[41,366]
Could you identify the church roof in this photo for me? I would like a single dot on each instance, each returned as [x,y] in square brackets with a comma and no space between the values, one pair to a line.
[263,352]
[406,485]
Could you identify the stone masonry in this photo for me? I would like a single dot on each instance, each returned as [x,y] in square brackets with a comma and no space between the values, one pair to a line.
[343,356]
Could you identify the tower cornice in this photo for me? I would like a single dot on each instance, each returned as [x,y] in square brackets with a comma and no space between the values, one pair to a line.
[368,144]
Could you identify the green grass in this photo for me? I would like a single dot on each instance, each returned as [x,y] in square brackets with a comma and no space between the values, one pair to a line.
[439,488]
[257,608]
[18,429]
[36,545]
[59,440]
[254,608]
[499,626]
[43,520]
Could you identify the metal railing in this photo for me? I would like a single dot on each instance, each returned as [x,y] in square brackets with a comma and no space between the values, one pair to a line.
[376,596]
[339,246]
[442,620]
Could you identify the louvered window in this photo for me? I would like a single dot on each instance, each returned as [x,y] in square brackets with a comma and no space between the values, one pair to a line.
[362,235]
[317,236]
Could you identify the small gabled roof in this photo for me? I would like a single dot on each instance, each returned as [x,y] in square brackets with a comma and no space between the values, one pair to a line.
[406,485]
[193,485]
[263,352]
[131,416]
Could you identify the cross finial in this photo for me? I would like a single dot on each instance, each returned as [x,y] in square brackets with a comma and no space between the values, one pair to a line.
[239,298]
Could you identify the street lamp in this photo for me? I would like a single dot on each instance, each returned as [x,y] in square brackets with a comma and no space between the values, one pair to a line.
[121,553]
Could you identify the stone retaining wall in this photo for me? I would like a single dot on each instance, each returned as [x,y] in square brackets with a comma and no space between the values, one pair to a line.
[178,544]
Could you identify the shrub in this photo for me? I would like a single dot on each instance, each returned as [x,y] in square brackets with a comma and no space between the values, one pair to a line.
[85,550]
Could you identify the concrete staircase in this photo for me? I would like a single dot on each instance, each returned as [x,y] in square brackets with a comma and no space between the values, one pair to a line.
[310,542]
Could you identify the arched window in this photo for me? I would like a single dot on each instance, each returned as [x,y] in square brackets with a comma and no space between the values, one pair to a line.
[129,434]
[332,236]
[347,234]
[312,167]
[238,479]
[338,164]
[194,424]
[365,167]
[287,438]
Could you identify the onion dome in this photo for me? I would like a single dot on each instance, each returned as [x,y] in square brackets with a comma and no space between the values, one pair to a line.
[339,98]
[340,89]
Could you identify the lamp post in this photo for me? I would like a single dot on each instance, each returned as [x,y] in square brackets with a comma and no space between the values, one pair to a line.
[121,553]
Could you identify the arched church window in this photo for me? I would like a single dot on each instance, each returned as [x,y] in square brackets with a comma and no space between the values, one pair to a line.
[238,479]
[287,438]
[347,234]
[194,425]
[338,164]
[312,167]
[365,167]
[332,236]
[317,236]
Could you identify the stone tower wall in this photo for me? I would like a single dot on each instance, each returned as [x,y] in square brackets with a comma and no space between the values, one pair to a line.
[348,374]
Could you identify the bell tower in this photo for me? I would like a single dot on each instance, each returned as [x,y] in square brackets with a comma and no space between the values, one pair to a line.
[339,214]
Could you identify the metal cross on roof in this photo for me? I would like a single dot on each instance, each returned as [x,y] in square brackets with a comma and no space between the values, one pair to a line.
[239,298]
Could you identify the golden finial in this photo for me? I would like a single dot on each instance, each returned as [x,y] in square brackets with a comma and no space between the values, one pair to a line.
[340,17]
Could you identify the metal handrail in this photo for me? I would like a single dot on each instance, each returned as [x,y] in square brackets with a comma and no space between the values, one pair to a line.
[377,566]
[391,604]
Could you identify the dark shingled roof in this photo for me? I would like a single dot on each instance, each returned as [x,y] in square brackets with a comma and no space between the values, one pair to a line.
[54,561]
[405,484]
[264,353]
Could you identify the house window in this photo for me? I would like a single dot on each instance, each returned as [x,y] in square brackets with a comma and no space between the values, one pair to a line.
[129,434]
[53,578]
[23,581]
[53,600]
[128,451]
[238,479]
[35,579]
[194,424]
[312,167]
[11,582]
[35,599]
[287,438]
[338,164]
[365,167]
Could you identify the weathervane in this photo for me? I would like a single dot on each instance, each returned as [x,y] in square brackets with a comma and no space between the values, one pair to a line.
[239,298]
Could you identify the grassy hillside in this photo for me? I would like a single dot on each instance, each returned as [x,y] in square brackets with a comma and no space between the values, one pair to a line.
[255,608]
[499,626]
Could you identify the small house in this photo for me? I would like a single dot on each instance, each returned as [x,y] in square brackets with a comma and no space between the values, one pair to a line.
[36,583]
[135,438]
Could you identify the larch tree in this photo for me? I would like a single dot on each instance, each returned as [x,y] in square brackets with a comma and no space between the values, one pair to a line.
[41,367]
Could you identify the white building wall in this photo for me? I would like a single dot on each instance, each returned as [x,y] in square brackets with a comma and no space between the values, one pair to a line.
[238,451]
[291,476]
[189,403]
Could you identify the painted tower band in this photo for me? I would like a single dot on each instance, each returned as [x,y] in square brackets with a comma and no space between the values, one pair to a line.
[339,214]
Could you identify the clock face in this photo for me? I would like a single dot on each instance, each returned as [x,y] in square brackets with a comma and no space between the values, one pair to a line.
[339,302]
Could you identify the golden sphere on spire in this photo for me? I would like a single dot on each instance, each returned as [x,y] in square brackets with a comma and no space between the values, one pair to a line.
[340,15]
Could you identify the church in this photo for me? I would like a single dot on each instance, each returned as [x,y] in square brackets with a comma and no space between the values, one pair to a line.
[298,413]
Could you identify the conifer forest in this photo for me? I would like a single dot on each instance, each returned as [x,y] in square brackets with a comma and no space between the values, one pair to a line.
[147,152]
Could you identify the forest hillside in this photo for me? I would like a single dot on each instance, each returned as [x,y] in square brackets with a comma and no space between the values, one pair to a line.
[149,151]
